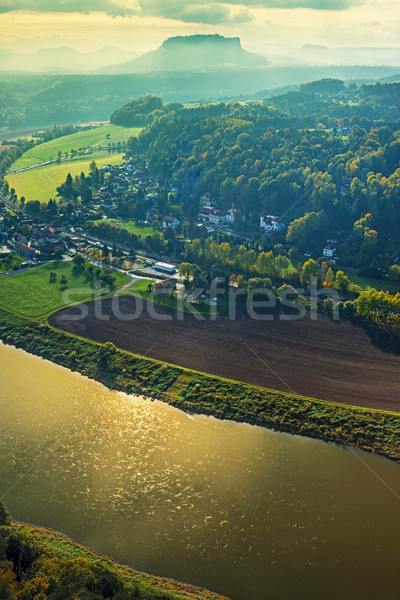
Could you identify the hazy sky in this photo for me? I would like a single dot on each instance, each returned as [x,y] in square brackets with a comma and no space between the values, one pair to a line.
[141,25]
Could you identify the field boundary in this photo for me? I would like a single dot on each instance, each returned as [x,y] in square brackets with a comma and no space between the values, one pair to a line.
[372,430]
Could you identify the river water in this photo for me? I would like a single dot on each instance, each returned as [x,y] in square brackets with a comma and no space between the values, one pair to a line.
[244,511]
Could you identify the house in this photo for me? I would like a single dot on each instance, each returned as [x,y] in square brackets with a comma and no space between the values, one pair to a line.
[49,249]
[346,184]
[123,184]
[17,237]
[26,251]
[217,217]
[211,215]
[165,268]
[204,213]
[42,236]
[271,223]
[205,199]
[152,214]
[330,249]
[230,215]
[170,221]
[56,227]
[166,286]
[81,213]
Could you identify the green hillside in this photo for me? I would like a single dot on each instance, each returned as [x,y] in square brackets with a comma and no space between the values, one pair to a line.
[41,184]
[75,141]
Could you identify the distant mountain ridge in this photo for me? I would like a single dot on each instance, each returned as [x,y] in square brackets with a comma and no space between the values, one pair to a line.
[61,59]
[191,53]
[312,53]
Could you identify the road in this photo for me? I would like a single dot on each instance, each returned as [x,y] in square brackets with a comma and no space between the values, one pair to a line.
[125,249]
[62,159]
[9,204]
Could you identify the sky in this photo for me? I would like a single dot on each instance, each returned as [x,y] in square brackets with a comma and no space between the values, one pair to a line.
[141,25]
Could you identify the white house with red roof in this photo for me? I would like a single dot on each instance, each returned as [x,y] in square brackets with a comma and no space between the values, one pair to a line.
[170,221]
[271,223]
[330,249]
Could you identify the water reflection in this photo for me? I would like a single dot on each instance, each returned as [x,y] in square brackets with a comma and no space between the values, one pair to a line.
[245,511]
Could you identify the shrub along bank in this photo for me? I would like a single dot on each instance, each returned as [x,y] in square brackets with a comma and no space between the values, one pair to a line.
[36,563]
[371,430]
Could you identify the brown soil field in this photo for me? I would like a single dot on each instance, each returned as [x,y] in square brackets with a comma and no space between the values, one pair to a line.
[344,361]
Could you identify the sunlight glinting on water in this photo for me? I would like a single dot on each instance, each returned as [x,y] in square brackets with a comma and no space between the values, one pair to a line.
[228,506]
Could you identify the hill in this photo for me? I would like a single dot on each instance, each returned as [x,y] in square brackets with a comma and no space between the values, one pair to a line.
[192,53]
[61,60]
[39,100]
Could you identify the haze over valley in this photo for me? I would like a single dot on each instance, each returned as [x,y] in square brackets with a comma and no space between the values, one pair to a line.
[199,299]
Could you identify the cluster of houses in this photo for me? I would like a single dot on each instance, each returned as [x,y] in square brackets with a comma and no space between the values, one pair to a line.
[209,213]
[43,241]
[121,179]
[342,130]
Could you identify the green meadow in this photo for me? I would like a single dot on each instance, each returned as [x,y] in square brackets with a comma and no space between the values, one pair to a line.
[130,226]
[32,295]
[75,141]
[41,184]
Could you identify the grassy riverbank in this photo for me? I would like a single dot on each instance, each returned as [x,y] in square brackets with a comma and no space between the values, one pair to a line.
[370,430]
[40,563]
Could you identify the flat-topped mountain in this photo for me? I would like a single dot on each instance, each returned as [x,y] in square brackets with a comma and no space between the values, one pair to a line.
[191,53]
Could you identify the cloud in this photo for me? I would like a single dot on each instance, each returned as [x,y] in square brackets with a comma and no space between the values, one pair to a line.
[111,7]
[199,11]
[220,11]
[209,13]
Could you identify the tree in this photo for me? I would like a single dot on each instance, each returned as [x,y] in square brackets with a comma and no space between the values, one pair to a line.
[185,270]
[169,233]
[52,277]
[394,273]
[72,358]
[342,282]
[5,517]
[307,230]
[369,245]
[20,552]
[328,279]
[25,230]
[78,260]
[63,281]
[106,353]
[309,271]
[92,167]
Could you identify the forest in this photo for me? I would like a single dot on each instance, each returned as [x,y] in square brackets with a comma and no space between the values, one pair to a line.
[256,157]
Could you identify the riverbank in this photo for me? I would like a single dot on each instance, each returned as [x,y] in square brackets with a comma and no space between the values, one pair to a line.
[52,550]
[340,361]
[194,392]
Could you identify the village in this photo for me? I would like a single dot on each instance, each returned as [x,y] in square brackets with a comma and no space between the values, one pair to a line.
[127,192]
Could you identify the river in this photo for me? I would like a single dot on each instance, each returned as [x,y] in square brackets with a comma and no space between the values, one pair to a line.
[244,511]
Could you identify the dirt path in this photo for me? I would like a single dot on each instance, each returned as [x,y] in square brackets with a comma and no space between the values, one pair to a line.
[349,362]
